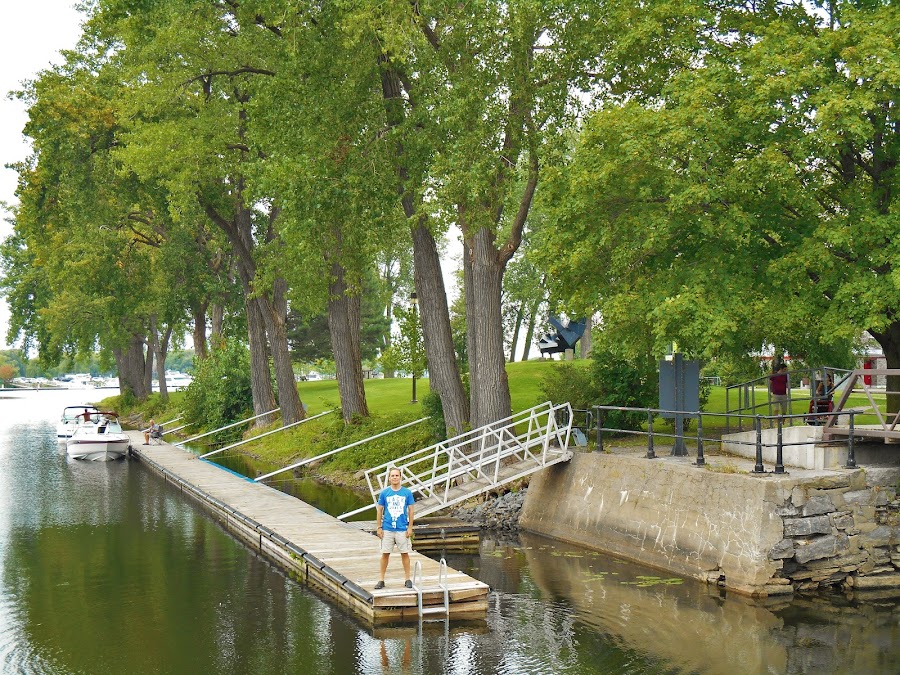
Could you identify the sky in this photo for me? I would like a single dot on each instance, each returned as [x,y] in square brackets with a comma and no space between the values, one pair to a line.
[32,33]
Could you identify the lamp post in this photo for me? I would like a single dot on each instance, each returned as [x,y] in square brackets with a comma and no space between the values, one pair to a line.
[414,301]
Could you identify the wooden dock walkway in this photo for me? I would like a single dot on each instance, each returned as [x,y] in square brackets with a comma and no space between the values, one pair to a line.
[336,558]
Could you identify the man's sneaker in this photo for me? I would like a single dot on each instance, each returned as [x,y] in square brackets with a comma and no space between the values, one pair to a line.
[379,585]
[408,583]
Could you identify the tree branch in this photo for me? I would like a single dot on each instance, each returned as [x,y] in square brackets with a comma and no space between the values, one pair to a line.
[430,35]
[242,70]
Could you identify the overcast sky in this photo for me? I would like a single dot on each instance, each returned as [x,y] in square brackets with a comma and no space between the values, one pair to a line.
[32,33]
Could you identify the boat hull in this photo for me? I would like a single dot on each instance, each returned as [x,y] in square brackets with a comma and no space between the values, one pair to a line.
[97,450]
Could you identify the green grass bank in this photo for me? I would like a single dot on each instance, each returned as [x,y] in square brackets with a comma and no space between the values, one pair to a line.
[390,406]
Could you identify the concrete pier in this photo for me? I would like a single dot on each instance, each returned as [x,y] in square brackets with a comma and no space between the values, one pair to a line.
[760,535]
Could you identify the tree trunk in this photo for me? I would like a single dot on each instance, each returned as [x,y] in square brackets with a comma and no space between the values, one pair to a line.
[260,381]
[490,400]
[151,342]
[217,324]
[890,345]
[162,352]
[199,333]
[154,361]
[586,340]
[520,315]
[469,300]
[344,327]
[275,316]
[266,314]
[389,315]
[443,371]
[529,334]
[131,365]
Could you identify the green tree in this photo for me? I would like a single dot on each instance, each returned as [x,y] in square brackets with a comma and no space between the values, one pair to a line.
[88,281]
[407,350]
[752,200]
[191,67]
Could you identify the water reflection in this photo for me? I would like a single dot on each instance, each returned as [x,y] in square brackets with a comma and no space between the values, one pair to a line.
[106,569]
[332,499]
[638,620]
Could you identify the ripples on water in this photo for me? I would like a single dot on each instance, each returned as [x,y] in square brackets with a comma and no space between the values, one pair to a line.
[105,569]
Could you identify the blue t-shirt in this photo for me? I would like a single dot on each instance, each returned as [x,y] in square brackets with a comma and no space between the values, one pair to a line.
[395,503]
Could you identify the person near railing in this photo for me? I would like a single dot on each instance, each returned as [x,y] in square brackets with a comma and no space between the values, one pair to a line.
[821,404]
[778,388]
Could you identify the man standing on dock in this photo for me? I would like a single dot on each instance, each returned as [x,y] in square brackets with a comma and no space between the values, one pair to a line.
[395,523]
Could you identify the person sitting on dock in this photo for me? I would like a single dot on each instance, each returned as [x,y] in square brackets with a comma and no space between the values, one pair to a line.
[395,523]
[153,431]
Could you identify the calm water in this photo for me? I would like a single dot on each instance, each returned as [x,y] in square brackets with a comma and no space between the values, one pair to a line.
[106,570]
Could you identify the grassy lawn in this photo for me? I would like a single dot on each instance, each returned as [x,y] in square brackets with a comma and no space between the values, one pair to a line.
[390,405]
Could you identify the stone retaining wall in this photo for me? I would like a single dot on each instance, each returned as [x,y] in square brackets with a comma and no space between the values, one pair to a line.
[756,535]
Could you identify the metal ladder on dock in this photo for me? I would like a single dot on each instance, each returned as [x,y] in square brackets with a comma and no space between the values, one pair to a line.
[417,583]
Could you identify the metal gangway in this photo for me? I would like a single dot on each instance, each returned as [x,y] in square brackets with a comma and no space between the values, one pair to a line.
[887,420]
[483,459]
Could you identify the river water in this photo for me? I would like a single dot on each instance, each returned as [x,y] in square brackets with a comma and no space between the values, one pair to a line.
[105,569]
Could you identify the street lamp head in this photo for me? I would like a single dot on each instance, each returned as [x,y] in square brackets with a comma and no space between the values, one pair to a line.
[413,299]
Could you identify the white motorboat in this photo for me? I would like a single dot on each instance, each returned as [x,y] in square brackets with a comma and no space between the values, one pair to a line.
[69,420]
[99,438]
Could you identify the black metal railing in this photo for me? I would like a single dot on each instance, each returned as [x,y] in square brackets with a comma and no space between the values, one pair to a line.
[679,436]
[742,402]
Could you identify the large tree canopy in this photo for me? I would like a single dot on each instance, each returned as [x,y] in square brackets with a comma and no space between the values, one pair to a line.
[753,200]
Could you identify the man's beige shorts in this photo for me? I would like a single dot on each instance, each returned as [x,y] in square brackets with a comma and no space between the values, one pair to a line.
[392,537]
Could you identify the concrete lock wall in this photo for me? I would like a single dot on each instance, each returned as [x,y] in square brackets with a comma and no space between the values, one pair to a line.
[755,535]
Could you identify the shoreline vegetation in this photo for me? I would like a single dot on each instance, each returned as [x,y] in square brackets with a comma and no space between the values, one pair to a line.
[390,405]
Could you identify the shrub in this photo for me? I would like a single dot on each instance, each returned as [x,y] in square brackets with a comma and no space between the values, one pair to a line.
[631,382]
[571,381]
[432,406]
[220,392]
[608,379]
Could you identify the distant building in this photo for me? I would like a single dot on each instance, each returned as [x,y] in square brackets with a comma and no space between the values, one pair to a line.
[871,358]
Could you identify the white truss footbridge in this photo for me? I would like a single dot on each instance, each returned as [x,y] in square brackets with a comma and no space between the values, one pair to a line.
[462,467]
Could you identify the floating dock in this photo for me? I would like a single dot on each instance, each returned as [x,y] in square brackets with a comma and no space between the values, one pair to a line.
[436,533]
[339,559]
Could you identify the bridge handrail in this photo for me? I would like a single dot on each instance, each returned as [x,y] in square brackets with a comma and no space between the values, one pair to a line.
[263,435]
[227,426]
[854,376]
[329,453]
[460,458]
[778,421]
[746,391]
[478,433]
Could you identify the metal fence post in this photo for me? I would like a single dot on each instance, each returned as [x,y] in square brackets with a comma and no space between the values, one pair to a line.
[779,458]
[700,460]
[851,453]
[759,468]
[599,446]
[727,410]
[790,403]
[650,453]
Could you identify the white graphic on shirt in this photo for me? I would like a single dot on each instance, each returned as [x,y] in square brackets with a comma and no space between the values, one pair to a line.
[395,507]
